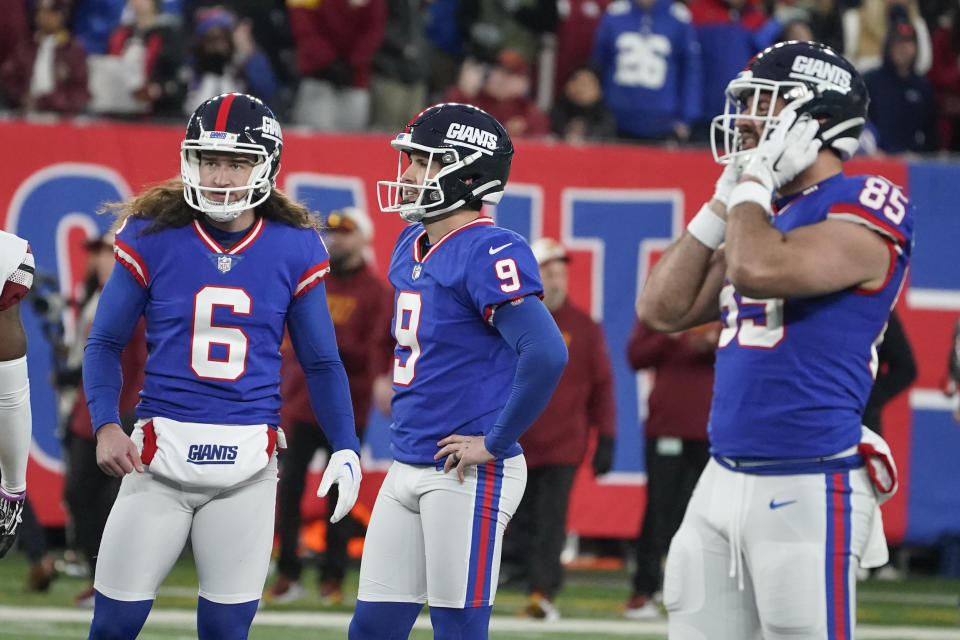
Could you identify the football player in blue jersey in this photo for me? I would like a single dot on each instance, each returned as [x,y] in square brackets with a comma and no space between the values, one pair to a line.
[217,261]
[477,358]
[16,278]
[806,263]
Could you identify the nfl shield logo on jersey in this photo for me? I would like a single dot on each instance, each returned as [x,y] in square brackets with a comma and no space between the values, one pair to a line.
[417,268]
[224,263]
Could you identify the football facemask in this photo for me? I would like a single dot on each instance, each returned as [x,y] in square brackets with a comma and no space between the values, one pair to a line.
[430,200]
[752,100]
[231,123]
[217,202]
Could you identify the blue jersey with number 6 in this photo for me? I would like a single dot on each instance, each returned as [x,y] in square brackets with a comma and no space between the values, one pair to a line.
[215,317]
[793,375]
[446,297]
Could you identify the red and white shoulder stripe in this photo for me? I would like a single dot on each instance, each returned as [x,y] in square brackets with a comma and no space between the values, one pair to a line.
[311,278]
[853,213]
[129,258]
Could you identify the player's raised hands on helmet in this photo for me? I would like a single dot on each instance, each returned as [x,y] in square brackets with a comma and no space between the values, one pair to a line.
[461,452]
[116,454]
[791,148]
[344,470]
[725,184]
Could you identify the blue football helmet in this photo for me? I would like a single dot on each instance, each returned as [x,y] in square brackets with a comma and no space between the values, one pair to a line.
[811,77]
[473,149]
[232,123]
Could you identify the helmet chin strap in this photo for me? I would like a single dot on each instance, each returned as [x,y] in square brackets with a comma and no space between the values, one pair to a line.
[426,217]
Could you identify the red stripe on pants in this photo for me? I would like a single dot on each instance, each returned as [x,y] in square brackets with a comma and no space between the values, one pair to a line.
[484,534]
[839,553]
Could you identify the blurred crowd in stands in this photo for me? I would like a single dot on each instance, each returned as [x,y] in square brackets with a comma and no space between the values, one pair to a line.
[579,70]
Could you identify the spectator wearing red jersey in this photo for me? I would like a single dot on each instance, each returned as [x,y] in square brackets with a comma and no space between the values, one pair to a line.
[47,72]
[945,77]
[555,445]
[88,492]
[675,443]
[578,20]
[14,29]
[361,306]
[504,93]
[335,43]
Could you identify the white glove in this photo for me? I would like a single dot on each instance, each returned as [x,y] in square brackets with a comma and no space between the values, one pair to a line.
[727,181]
[343,468]
[790,149]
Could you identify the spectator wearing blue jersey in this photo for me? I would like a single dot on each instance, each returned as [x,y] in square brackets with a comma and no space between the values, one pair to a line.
[902,106]
[93,22]
[445,35]
[730,33]
[478,356]
[218,263]
[649,62]
[788,506]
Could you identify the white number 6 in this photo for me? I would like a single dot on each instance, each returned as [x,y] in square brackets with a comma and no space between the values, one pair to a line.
[206,334]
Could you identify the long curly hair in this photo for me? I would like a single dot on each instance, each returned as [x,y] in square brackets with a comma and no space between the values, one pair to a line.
[164,204]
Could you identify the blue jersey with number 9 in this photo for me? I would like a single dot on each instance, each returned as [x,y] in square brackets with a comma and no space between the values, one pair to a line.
[452,370]
[215,317]
[793,375]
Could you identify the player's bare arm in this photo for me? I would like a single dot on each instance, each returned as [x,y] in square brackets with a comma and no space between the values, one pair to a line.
[682,288]
[813,260]
[14,343]
[817,259]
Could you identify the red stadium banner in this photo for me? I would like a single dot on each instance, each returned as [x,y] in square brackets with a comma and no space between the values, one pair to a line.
[613,206]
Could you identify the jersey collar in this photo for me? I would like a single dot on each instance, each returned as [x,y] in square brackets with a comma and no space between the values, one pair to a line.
[214,246]
[779,204]
[449,234]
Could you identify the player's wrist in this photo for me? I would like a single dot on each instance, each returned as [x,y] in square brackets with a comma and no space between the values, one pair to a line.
[108,430]
[708,227]
[753,192]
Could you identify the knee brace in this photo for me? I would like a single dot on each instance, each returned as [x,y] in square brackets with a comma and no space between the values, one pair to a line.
[217,621]
[460,624]
[383,620]
[117,619]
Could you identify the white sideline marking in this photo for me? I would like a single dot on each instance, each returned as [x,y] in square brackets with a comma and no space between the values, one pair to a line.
[936,299]
[186,618]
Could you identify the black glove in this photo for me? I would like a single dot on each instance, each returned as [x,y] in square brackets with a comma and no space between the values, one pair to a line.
[339,73]
[603,456]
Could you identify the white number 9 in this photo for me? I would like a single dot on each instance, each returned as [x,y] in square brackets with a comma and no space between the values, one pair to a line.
[507,271]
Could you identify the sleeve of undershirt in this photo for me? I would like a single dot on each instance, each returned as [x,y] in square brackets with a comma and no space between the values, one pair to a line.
[528,327]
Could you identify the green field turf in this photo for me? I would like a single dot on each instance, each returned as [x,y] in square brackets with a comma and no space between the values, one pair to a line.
[928,605]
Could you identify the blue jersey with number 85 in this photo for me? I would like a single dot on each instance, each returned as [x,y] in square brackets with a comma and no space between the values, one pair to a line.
[453,372]
[793,375]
